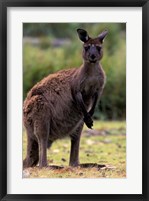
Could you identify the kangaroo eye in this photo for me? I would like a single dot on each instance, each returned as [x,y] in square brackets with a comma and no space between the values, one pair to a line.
[98,48]
[86,48]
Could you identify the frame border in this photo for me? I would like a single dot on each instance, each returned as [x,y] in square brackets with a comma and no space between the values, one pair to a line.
[4,4]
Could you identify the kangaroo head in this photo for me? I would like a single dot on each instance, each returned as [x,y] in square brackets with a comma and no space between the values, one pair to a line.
[92,47]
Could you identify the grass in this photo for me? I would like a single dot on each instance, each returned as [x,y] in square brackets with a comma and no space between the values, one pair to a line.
[104,145]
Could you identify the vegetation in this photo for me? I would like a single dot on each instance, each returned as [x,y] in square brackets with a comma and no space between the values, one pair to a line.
[50,47]
[106,145]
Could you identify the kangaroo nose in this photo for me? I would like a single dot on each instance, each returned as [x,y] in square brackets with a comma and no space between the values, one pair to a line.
[93,56]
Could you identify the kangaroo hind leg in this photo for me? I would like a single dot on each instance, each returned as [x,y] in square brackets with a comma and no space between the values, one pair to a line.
[32,156]
[41,131]
[75,143]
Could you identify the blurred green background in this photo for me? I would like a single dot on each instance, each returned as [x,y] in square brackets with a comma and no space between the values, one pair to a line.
[49,47]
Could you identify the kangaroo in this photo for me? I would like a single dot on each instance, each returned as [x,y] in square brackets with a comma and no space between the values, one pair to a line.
[60,104]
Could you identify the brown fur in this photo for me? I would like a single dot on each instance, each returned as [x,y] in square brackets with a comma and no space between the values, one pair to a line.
[51,110]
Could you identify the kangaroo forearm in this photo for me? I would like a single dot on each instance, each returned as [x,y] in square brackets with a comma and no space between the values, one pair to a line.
[95,98]
[87,118]
[80,102]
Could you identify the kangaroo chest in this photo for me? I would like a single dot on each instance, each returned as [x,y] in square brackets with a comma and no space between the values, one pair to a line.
[90,86]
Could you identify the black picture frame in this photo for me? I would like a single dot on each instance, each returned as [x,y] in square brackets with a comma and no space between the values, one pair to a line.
[4,4]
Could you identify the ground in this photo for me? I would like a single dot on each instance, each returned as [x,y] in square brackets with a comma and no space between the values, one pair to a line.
[104,148]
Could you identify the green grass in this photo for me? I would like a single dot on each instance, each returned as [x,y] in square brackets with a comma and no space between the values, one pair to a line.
[105,144]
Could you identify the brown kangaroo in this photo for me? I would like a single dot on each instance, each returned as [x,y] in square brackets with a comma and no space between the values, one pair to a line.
[59,105]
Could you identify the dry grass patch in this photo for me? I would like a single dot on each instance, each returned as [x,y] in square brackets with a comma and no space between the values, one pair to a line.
[105,145]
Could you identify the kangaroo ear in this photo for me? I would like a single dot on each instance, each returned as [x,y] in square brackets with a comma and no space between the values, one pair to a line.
[102,36]
[83,35]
